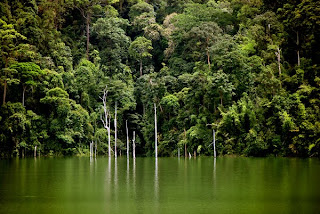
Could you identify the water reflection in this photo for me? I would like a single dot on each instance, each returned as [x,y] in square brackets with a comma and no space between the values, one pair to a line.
[134,178]
[128,175]
[108,181]
[116,174]
[109,172]
[163,185]
[116,189]
[214,174]
[156,185]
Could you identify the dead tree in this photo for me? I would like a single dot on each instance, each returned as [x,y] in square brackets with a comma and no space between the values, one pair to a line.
[115,130]
[127,139]
[107,118]
[155,130]
[278,54]
[214,143]
[134,145]
[35,151]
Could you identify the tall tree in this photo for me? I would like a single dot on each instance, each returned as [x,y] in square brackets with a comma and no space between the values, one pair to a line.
[87,9]
[9,44]
[29,74]
[202,37]
[140,49]
[106,119]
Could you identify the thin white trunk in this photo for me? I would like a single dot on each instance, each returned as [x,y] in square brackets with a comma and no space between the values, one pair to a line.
[92,144]
[214,144]
[109,137]
[155,131]
[127,139]
[185,144]
[115,130]
[95,149]
[278,54]
[35,151]
[107,118]
[134,145]
[23,93]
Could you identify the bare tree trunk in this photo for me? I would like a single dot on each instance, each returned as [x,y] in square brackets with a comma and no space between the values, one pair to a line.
[134,144]
[5,85]
[4,92]
[115,130]
[23,93]
[194,153]
[214,143]
[109,137]
[140,68]
[35,151]
[95,149]
[127,138]
[221,98]
[185,144]
[155,131]
[298,52]
[120,5]
[91,149]
[107,118]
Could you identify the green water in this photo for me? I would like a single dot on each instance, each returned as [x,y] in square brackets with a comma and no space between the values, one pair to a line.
[168,185]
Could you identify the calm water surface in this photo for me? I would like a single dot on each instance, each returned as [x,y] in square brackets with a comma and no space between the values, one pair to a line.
[166,185]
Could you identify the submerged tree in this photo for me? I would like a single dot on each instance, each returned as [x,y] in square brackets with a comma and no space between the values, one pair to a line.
[106,118]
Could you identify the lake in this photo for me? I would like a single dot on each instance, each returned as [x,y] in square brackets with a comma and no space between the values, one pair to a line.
[166,185]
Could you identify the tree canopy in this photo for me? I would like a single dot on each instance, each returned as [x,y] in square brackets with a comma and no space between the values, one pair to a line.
[247,69]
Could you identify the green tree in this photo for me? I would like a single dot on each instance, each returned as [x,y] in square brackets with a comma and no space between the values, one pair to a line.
[68,126]
[113,42]
[142,15]
[29,74]
[140,49]
[201,38]
[87,9]
[9,44]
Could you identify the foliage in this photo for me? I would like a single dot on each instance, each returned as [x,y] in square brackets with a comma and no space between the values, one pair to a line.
[247,69]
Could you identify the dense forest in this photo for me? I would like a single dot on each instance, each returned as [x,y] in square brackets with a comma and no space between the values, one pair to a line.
[80,71]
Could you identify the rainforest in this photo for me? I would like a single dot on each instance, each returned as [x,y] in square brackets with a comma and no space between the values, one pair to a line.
[84,75]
